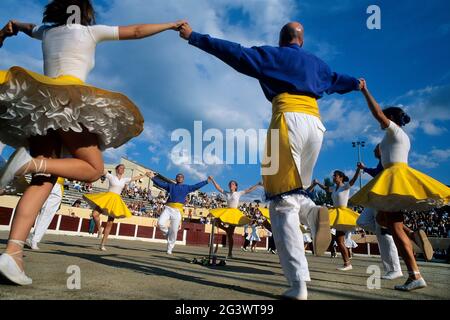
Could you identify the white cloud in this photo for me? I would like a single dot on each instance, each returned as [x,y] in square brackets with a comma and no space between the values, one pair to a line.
[431,160]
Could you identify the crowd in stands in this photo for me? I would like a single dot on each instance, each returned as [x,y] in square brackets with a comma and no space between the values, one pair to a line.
[435,223]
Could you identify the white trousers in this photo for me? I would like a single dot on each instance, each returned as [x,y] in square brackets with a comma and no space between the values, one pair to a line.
[386,244]
[174,216]
[306,137]
[47,213]
[286,215]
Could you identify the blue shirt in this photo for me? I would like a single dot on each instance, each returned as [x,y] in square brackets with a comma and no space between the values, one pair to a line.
[374,171]
[178,192]
[289,69]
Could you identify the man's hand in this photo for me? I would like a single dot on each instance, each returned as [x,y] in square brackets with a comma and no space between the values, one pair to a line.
[210,179]
[150,174]
[361,165]
[185,31]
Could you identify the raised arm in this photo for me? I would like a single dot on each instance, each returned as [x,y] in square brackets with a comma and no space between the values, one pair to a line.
[197,186]
[216,185]
[160,183]
[376,110]
[139,177]
[355,177]
[140,31]
[342,83]
[251,189]
[322,186]
[245,60]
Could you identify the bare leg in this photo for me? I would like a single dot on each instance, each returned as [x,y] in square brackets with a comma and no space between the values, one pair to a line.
[107,230]
[87,164]
[341,244]
[403,243]
[35,196]
[98,222]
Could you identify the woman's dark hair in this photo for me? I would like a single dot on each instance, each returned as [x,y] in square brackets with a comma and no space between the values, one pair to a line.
[118,166]
[397,115]
[342,175]
[56,12]
[235,182]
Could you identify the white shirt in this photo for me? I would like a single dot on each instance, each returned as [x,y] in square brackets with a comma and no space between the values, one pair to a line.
[395,145]
[233,198]
[116,185]
[340,197]
[70,49]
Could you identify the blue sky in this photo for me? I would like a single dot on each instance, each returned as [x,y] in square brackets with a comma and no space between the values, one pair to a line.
[405,63]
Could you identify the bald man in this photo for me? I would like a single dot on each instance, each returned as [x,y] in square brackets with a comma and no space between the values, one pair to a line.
[292,79]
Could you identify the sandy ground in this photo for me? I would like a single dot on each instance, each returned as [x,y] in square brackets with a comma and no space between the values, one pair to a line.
[134,270]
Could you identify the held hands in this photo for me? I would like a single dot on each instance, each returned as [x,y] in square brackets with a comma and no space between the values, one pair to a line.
[185,31]
[178,24]
[150,174]
[9,30]
[361,166]
[210,179]
[363,85]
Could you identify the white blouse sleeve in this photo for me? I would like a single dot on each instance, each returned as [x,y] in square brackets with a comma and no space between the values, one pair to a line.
[102,33]
[38,31]
[392,129]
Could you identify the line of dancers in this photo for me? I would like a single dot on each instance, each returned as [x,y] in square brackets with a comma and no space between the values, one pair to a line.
[41,115]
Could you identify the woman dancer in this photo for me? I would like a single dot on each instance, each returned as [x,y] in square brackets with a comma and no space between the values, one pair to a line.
[342,218]
[110,203]
[230,217]
[399,188]
[254,237]
[46,113]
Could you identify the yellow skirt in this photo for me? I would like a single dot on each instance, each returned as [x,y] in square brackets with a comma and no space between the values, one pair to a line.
[230,216]
[31,104]
[110,203]
[401,188]
[343,218]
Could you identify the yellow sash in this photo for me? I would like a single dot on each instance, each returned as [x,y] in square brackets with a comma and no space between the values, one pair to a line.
[176,205]
[61,80]
[287,178]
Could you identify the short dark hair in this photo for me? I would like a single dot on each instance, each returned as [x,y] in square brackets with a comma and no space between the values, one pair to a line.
[56,12]
[342,175]
[397,115]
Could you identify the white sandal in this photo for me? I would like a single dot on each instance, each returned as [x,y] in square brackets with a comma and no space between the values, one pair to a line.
[10,269]
[15,163]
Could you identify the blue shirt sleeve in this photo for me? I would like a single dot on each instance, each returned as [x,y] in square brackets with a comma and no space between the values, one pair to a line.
[342,83]
[245,60]
[162,184]
[197,186]
[374,171]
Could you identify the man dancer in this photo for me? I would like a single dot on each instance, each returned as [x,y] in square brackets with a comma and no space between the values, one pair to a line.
[174,207]
[45,217]
[292,79]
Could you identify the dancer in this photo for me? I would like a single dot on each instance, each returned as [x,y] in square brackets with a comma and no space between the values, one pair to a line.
[61,111]
[398,187]
[388,250]
[292,79]
[228,218]
[173,210]
[386,245]
[110,203]
[45,217]
[342,218]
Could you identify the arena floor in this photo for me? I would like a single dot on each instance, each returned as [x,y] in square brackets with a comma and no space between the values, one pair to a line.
[133,270]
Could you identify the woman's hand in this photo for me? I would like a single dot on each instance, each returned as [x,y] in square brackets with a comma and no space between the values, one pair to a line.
[178,24]
[363,85]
